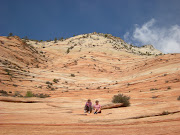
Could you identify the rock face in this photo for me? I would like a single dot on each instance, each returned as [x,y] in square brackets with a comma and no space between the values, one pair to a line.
[16,57]
[96,66]
[108,41]
[105,42]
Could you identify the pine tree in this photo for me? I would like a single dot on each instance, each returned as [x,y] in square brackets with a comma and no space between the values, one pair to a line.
[55,40]
[10,34]
[26,38]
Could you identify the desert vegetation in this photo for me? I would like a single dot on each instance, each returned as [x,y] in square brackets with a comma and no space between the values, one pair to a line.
[55,80]
[165,113]
[4,93]
[120,98]
[153,89]
[41,95]
[68,50]
[72,75]
[10,34]
[55,40]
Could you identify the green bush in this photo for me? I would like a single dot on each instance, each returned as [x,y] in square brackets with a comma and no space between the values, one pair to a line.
[15,85]
[10,34]
[55,40]
[56,80]
[61,39]
[68,50]
[48,83]
[72,75]
[3,93]
[29,94]
[41,95]
[120,98]
[48,86]
[153,89]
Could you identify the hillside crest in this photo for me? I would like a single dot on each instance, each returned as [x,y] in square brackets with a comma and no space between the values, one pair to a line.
[100,41]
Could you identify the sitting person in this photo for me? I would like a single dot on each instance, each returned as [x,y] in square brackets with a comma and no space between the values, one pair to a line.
[88,106]
[97,107]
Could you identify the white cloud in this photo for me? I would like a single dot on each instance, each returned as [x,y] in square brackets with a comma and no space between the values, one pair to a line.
[166,40]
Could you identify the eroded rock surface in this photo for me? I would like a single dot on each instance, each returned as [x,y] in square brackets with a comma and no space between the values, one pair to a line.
[95,66]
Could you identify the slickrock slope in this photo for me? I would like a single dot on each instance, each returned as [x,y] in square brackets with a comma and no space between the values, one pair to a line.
[16,58]
[95,66]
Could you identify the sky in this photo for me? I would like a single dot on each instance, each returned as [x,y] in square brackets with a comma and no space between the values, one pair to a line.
[138,22]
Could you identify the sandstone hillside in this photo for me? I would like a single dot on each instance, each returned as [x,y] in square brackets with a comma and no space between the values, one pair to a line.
[95,66]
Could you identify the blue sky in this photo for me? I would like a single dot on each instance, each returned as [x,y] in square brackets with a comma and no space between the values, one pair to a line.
[46,19]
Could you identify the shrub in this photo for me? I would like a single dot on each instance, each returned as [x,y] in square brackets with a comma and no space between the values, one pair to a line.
[17,94]
[153,89]
[56,80]
[165,113]
[68,50]
[4,93]
[41,95]
[105,35]
[8,72]
[26,38]
[55,40]
[10,34]
[40,87]
[52,89]
[29,94]
[48,83]
[72,75]
[178,98]
[15,85]
[128,84]
[169,88]
[154,97]
[120,98]
[44,96]
[48,87]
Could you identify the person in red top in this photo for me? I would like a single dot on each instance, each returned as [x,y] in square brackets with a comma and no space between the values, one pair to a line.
[97,107]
